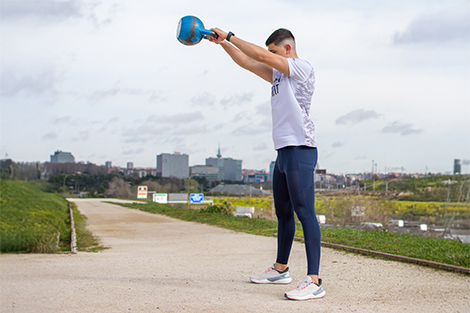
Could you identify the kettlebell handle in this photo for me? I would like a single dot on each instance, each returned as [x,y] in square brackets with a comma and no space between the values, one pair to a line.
[209,32]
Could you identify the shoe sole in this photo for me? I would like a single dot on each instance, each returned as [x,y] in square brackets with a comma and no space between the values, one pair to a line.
[283,281]
[307,297]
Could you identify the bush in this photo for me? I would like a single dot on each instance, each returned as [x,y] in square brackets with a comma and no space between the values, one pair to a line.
[226,208]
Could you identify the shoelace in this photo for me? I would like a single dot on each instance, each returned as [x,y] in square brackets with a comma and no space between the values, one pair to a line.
[302,284]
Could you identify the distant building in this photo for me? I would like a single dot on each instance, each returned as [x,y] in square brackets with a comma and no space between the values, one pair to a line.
[173,165]
[109,164]
[457,167]
[271,170]
[62,157]
[211,173]
[229,169]
[130,165]
[239,190]
[137,172]
[254,176]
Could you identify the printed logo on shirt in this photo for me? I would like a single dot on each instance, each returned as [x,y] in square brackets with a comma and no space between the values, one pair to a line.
[275,86]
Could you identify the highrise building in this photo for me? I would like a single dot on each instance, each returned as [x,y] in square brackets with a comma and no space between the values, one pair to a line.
[229,169]
[62,157]
[211,173]
[457,167]
[173,165]
[271,170]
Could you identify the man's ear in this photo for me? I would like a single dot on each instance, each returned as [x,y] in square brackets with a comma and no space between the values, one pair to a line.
[288,48]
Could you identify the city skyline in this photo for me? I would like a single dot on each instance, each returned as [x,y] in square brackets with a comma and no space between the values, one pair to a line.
[109,81]
[373,165]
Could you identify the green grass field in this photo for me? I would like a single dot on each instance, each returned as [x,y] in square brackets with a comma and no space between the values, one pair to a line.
[35,221]
[30,219]
[438,250]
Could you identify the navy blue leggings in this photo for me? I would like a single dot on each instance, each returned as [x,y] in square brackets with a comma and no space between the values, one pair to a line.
[294,191]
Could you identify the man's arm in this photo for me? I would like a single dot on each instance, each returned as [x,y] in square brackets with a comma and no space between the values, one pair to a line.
[244,61]
[253,52]
[261,55]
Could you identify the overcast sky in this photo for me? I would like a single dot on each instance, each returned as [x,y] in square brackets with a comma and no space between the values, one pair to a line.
[108,81]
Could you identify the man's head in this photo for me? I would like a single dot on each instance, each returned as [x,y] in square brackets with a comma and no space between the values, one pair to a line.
[282,42]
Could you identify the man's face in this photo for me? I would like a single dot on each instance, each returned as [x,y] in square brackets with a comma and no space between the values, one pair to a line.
[282,51]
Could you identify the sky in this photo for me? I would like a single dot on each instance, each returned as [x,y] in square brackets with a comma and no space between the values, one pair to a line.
[108,81]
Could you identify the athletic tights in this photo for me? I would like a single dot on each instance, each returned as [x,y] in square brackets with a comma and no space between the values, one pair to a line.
[294,191]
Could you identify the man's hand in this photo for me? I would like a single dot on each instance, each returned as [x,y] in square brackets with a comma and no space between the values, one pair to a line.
[221,33]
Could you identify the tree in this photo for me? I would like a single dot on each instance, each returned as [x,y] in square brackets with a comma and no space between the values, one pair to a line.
[119,188]
[152,186]
[191,185]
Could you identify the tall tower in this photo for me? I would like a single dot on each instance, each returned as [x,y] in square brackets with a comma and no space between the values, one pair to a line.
[457,167]
[219,155]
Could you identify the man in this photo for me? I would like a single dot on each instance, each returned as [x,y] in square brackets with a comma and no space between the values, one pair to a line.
[293,83]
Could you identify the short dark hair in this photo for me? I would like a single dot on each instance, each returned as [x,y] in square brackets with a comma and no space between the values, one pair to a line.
[279,36]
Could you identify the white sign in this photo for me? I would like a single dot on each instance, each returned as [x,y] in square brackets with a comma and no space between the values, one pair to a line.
[196,197]
[321,219]
[142,192]
[160,197]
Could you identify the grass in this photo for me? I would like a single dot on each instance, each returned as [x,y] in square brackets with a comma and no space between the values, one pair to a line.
[432,249]
[86,241]
[30,219]
[34,221]
[323,204]
[438,250]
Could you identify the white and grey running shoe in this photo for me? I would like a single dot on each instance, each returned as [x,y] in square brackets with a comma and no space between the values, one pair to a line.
[272,276]
[306,289]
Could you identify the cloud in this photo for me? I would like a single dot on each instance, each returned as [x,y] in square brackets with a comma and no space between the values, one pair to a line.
[360,157]
[205,99]
[191,130]
[250,130]
[439,28]
[53,11]
[264,108]
[132,152]
[237,99]
[143,133]
[100,94]
[61,120]
[155,97]
[337,144]
[32,85]
[178,118]
[83,135]
[240,116]
[40,8]
[49,136]
[402,129]
[356,116]
[465,162]
[260,147]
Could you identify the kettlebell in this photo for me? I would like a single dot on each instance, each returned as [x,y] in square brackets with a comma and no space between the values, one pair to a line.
[191,31]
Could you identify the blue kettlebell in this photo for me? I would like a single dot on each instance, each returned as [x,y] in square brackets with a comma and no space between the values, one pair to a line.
[191,31]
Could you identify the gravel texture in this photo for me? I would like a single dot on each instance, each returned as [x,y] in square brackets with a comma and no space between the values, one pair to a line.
[159,264]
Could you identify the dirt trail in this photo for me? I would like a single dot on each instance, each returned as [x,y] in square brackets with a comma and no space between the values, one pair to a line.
[159,264]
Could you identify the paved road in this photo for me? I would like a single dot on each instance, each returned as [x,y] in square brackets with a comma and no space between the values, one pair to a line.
[159,264]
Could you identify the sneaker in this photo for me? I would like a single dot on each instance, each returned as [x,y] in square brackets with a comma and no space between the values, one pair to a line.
[306,289]
[272,276]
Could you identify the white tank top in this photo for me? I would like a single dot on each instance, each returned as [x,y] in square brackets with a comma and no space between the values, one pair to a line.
[291,97]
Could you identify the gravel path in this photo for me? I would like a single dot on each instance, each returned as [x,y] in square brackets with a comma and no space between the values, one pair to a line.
[159,264]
